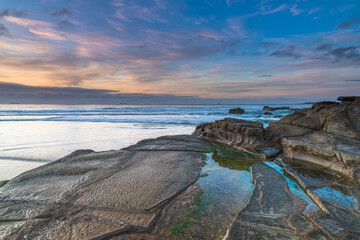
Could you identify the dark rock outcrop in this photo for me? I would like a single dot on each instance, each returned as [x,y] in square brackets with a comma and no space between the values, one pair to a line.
[268,113]
[267,108]
[237,111]
[349,99]
[240,134]
[89,195]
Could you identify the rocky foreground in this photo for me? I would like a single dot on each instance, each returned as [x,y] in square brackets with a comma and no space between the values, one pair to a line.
[141,192]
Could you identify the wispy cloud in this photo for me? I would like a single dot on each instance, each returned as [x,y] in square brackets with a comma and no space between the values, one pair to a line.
[62,12]
[267,9]
[295,10]
[226,48]
[4,31]
[48,33]
[324,47]
[286,51]
[14,12]
[25,22]
[349,23]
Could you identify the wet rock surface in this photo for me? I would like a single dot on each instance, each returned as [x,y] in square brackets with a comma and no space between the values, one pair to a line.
[267,108]
[237,111]
[168,188]
[320,149]
[239,134]
[328,134]
[274,212]
[100,195]
[334,193]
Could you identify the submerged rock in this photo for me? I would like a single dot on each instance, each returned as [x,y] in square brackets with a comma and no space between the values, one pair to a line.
[267,108]
[237,111]
[239,134]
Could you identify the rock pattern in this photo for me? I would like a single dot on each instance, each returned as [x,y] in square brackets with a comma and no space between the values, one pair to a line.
[89,195]
[274,212]
[335,194]
[135,192]
[239,134]
[327,134]
[237,111]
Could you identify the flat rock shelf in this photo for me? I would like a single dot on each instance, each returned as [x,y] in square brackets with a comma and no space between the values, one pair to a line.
[177,187]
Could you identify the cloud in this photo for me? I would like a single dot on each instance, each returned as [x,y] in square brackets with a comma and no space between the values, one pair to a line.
[65,24]
[136,10]
[267,75]
[295,10]
[346,53]
[19,13]
[314,10]
[267,9]
[355,80]
[286,51]
[268,44]
[63,12]
[15,12]
[349,23]
[324,47]
[236,24]
[48,33]
[4,31]
[5,12]
[10,92]
[233,52]
[25,22]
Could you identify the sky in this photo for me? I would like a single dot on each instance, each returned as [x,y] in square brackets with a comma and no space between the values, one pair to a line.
[218,49]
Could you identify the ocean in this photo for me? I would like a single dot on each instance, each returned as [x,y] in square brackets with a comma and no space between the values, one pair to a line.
[33,135]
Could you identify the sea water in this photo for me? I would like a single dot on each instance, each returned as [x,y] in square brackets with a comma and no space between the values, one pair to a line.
[32,135]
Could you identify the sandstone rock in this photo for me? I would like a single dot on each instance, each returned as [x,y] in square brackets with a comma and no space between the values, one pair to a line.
[333,193]
[240,134]
[89,195]
[237,111]
[274,212]
[327,134]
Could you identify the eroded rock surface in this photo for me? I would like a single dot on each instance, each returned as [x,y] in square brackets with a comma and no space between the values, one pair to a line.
[334,193]
[328,134]
[274,212]
[89,195]
[239,134]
